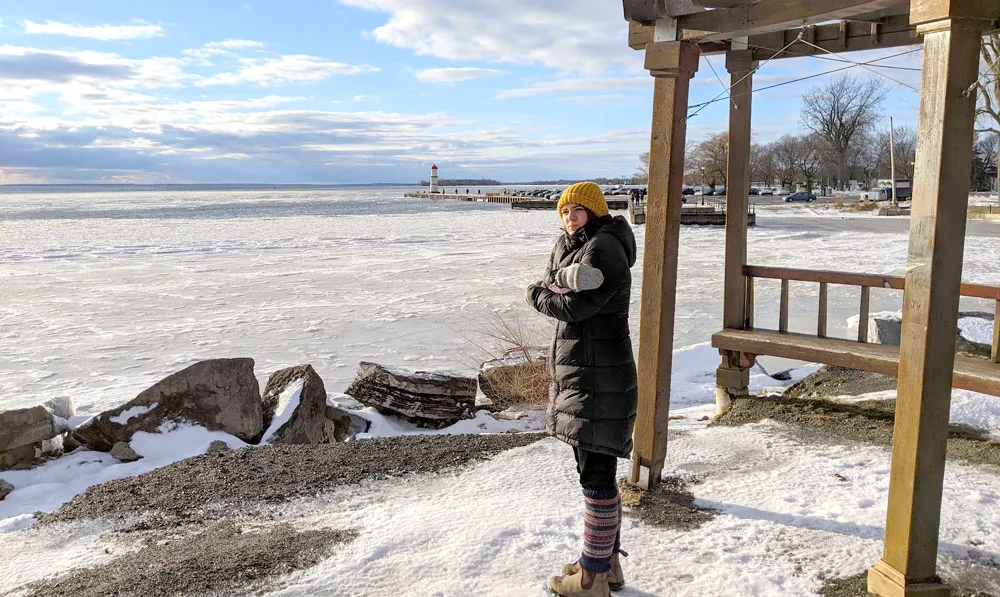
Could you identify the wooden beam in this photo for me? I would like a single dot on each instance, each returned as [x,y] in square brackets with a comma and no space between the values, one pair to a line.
[783,307]
[740,65]
[894,31]
[866,294]
[774,15]
[737,308]
[821,317]
[952,31]
[672,63]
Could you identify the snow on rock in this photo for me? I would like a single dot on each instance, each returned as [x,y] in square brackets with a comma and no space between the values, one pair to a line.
[976,329]
[128,414]
[286,403]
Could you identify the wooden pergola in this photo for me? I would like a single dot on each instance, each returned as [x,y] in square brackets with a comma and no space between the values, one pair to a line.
[673,34]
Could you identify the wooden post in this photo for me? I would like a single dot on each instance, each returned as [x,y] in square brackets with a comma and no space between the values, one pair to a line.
[672,63]
[821,317]
[783,308]
[951,30]
[866,295]
[737,304]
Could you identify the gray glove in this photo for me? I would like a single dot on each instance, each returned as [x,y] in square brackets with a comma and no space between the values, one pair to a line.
[579,277]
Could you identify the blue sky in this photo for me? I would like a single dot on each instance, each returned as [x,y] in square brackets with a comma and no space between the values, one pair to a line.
[347,91]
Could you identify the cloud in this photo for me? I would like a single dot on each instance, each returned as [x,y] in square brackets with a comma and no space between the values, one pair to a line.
[139,30]
[571,35]
[28,71]
[455,75]
[233,44]
[580,84]
[294,68]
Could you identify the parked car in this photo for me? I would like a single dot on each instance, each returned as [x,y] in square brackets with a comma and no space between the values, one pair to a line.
[754,191]
[800,196]
[687,191]
[767,191]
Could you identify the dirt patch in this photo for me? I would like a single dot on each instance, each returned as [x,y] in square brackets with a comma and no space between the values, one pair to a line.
[669,506]
[855,586]
[837,381]
[221,560]
[211,486]
[867,421]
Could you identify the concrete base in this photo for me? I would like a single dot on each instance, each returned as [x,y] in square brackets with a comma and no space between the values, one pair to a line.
[886,581]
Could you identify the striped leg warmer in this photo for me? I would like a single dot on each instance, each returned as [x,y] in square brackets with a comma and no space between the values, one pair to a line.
[600,529]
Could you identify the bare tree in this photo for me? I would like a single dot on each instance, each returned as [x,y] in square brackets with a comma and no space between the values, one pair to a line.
[711,157]
[988,86]
[642,172]
[785,152]
[840,109]
[809,158]
[762,165]
[906,151]
[984,155]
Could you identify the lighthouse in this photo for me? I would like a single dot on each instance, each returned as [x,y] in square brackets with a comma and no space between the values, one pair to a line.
[434,178]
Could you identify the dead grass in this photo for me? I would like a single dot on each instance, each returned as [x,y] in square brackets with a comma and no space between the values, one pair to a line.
[516,371]
[857,206]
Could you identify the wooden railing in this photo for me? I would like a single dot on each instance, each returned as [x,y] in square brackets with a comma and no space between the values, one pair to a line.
[865,281]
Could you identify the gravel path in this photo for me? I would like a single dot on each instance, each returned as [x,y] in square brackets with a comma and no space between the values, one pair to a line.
[211,486]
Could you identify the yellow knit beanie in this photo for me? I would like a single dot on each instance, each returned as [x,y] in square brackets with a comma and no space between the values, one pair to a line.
[587,194]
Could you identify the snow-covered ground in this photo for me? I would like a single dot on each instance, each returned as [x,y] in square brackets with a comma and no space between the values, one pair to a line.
[104,295]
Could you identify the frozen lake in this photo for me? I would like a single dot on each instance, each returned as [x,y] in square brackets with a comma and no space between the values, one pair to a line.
[105,293]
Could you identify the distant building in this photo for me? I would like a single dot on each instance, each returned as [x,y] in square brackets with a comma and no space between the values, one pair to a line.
[434,179]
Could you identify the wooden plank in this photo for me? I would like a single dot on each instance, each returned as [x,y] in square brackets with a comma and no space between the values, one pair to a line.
[739,63]
[639,36]
[854,279]
[821,317]
[749,314]
[893,32]
[863,314]
[974,374]
[774,15]
[931,298]
[783,308]
[995,353]
[673,64]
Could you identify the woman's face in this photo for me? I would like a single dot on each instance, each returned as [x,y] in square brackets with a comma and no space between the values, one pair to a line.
[574,217]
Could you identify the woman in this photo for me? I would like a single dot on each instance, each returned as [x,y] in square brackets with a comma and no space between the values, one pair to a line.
[592,398]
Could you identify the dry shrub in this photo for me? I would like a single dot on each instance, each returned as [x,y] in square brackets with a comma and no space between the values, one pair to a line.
[515,371]
[863,205]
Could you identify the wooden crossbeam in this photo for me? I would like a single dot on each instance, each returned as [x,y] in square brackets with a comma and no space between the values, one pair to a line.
[775,15]
[856,35]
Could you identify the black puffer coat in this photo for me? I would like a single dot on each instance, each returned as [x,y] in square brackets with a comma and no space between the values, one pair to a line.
[592,399]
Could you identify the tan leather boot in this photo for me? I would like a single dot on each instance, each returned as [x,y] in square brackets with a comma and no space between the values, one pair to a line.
[571,585]
[616,577]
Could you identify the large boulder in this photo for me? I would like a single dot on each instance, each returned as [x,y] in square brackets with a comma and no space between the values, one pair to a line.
[295,407]
[5,489]
[343,425]
[219,394]
[515,379]
[29,435]
[973,336]
[432,400]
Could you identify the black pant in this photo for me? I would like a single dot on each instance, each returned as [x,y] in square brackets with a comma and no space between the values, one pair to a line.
[598,472]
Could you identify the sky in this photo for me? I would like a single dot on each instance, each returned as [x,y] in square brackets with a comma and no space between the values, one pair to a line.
[352,91]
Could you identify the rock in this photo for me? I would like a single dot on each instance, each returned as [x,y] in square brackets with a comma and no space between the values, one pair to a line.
[5,489]
[69,443]
[428,399]
[219,394]
[26,426]
[124,452]
[975,333]
[509,415]
[27,436]
[61,406]
[217,447]
[295,407]
[973,336]
[514,379]
[343,425]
